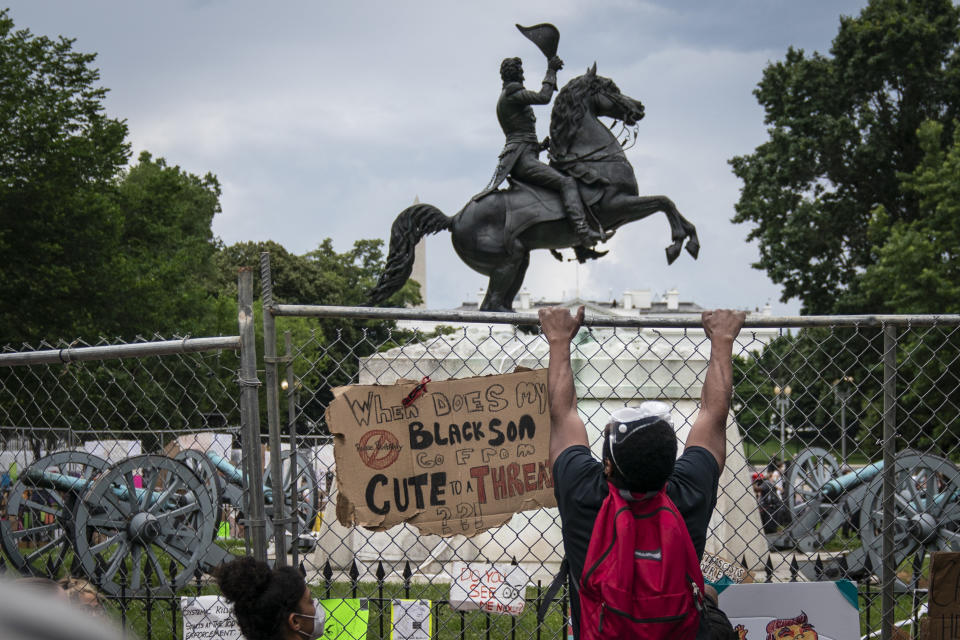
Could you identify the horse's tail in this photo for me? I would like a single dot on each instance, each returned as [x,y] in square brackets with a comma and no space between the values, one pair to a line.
[412,224]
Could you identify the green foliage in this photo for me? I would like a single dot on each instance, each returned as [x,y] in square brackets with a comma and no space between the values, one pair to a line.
[855,203]
[810,363]
[917,263]
[168,249]
[89,247]
[60,228]
[843,130]
[327,351]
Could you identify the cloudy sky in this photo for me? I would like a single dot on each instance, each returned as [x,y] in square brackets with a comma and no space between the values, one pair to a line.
[325,119]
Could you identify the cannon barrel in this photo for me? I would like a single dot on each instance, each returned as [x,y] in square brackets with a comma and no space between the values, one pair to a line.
[235,475]
[55,481]
[227,468]
[61,482]
[836,487]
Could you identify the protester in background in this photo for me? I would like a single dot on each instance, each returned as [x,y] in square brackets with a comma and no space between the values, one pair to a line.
[639,454]
[773,510]
[32,609]
[42,586]
[775,475]
[270,604]
[83,595]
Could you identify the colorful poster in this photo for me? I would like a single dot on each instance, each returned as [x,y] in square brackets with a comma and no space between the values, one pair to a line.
[795,610]
[347,618]
[412,620]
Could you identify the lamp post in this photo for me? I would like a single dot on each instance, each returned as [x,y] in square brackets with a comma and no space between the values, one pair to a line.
[841,394]
[782,401]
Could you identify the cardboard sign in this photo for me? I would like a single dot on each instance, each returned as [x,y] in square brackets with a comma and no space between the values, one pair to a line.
[715,569]
[411,620]
[494,588]
[824,610]
[208,618]
[944,600]
[463,457]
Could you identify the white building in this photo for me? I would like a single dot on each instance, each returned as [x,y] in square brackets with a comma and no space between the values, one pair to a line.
[612,368]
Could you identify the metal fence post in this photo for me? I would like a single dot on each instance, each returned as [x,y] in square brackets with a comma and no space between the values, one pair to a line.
[273,412]
[889,570]
[250,416]
[292,430]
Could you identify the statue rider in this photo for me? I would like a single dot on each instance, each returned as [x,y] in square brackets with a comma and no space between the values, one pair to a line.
[519,157]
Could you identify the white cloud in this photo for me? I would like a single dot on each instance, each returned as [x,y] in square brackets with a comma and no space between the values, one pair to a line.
[326,119]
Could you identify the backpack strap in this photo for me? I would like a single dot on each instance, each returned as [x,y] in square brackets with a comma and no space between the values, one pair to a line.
[552,590]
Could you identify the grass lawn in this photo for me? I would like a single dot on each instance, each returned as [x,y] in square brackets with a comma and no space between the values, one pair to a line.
[763,452]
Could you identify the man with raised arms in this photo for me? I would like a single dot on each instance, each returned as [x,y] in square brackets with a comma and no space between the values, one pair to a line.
[639,450]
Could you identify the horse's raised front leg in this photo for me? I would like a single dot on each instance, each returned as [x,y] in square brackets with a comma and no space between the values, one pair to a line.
[631,208]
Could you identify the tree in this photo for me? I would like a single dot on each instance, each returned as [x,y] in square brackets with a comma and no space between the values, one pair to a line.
[59,154]
[168,249]
[917,270]
[917,266]
[843,129]
[90,247]
[327,351]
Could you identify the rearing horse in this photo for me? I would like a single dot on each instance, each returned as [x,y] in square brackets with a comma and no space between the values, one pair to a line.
[495,234]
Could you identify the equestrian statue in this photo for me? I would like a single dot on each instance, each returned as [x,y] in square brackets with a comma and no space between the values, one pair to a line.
[586,192]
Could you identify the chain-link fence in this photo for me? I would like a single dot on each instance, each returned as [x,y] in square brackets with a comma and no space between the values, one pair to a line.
[129,470]
[99,490]
[825,410]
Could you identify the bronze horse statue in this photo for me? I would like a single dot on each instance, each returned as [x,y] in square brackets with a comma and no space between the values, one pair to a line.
[495,234]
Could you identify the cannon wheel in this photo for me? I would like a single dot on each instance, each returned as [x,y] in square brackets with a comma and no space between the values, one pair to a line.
[130,540]
[203,466]
[308,490]
[32,546]
[926,509]
[808,472]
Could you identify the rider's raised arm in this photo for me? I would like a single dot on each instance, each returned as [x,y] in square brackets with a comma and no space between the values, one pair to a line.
[547,88]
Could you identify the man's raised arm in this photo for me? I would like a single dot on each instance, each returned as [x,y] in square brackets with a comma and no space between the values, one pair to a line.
[566,427]
[710,428]
[547,87]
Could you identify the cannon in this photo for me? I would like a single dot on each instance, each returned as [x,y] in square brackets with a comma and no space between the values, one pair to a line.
[148,522]
[926,509]
[302,495]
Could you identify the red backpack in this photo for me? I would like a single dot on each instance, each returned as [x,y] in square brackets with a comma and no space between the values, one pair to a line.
[642,578]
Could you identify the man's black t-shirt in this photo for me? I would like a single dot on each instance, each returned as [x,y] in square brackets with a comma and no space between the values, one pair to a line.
[581,487]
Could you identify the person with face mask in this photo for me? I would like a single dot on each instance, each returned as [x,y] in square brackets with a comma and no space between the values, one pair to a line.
[270,604]
[639,465]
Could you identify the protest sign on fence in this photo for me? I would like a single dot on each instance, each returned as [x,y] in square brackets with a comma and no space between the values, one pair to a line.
[347,618]
[944,598]
[716,569]
[208,618]
[462,457]
[494,588]
[411,620]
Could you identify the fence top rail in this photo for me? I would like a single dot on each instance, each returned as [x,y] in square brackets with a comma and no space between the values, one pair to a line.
[109,352]
[679,321]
